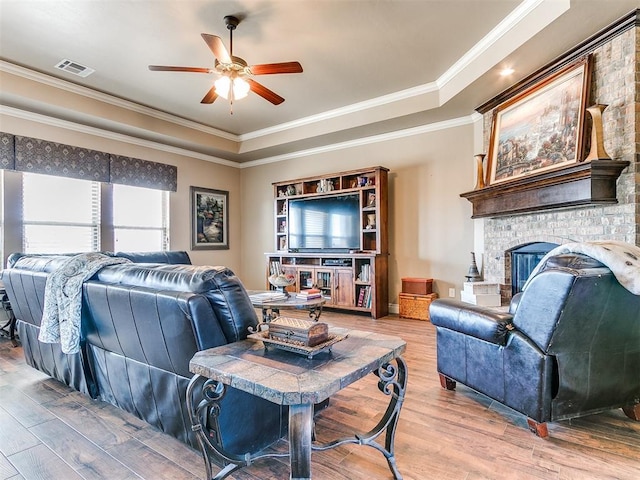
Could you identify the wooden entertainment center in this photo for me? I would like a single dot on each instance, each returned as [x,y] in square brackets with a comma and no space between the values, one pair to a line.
[356,279]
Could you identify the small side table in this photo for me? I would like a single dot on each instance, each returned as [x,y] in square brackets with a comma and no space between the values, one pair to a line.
[9,328]
[286,378]
[271,308]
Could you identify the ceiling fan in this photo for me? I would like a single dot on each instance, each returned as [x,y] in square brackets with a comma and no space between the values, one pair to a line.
[234,82]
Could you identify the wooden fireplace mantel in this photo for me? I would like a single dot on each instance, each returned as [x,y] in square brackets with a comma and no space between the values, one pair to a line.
[585,183]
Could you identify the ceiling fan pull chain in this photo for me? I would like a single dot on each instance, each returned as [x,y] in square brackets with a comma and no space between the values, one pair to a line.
[231,97]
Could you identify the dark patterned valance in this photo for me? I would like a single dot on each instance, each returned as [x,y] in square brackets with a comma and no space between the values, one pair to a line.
[7,154]
[142,173]
[32,155]
[40,156]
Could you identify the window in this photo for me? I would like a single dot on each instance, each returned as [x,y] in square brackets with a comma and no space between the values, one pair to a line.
[60,215]
[140,219]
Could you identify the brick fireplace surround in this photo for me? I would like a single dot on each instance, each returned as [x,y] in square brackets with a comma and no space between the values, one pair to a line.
[616,82]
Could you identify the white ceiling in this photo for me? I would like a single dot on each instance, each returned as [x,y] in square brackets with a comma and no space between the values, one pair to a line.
[370,66]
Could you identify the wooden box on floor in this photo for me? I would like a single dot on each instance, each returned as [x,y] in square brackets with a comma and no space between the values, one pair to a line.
[417,286]
[416,306]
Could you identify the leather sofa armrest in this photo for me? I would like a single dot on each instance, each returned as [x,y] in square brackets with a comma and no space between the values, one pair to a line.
[479,322]
[515,301]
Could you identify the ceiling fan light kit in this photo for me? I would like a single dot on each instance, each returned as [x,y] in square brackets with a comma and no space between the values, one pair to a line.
[234,82]
[231,89]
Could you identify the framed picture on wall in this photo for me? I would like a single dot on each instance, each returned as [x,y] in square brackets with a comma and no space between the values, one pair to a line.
[209,219]
[542,128]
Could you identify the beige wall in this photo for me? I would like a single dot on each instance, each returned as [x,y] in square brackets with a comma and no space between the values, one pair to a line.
[190,172]
[431,232]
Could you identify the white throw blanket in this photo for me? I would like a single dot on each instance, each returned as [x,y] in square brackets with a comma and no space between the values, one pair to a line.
[623,259]
[63,299]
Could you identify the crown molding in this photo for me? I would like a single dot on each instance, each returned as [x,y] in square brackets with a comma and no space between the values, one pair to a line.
[77,127]
[346,110]
[384,137]
[512,20]
[110,99]
[102,133]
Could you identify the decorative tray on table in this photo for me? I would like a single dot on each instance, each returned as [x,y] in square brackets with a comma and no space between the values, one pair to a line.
[296,346]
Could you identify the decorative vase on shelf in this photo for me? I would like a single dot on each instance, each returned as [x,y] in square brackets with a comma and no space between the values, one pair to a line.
[597,151]
[371,221]
[480,183]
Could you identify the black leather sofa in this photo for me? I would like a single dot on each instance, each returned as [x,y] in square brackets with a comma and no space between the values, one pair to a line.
[141,324]
[569,345]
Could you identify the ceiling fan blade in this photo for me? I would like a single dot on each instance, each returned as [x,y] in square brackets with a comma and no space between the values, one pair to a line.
[264,92]
[217,47]
[165,68]
[211,96]
[269,68]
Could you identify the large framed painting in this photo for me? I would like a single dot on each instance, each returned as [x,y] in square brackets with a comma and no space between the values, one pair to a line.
[542,128]
[209,219]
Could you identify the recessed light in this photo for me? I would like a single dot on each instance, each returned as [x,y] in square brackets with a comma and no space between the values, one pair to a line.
[506,71]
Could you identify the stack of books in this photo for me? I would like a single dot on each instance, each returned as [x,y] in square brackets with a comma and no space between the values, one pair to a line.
[364,297]
[309,293]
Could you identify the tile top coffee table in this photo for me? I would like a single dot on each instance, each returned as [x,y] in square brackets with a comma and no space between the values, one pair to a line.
[286,378]
[271,307]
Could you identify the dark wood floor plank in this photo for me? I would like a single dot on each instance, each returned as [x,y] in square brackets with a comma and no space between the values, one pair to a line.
[6,469]
[23,408]
[85,457]
[94,424]
[14,437]
[148,463]
[42,464]
[173,449]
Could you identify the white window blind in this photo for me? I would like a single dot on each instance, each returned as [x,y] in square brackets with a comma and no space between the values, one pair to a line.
[140,219]
[60,215]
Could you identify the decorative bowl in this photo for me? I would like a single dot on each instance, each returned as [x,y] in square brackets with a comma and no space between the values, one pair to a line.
[282,281]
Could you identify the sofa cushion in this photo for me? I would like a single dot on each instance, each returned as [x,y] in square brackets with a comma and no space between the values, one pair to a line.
[224,290]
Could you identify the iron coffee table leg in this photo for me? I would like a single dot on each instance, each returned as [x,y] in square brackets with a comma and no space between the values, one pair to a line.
[393,382]
[203,414]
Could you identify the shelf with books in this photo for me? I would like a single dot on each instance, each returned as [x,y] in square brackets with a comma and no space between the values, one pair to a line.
[364,296]
[342,279]
[364,272]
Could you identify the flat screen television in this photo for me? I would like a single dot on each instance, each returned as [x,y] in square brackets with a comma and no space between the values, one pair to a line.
[325,223]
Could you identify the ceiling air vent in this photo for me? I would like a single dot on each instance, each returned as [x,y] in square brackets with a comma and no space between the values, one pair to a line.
[75,68]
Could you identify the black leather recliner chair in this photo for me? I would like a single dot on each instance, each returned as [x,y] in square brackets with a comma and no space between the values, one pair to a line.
[569,345]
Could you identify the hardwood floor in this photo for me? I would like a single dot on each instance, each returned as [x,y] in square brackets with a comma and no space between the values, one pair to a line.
[50,432]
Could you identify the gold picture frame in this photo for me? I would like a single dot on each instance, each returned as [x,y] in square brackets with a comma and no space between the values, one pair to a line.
[541,128]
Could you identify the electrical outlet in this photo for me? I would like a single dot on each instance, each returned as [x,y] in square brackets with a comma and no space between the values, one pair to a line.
[452,293]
